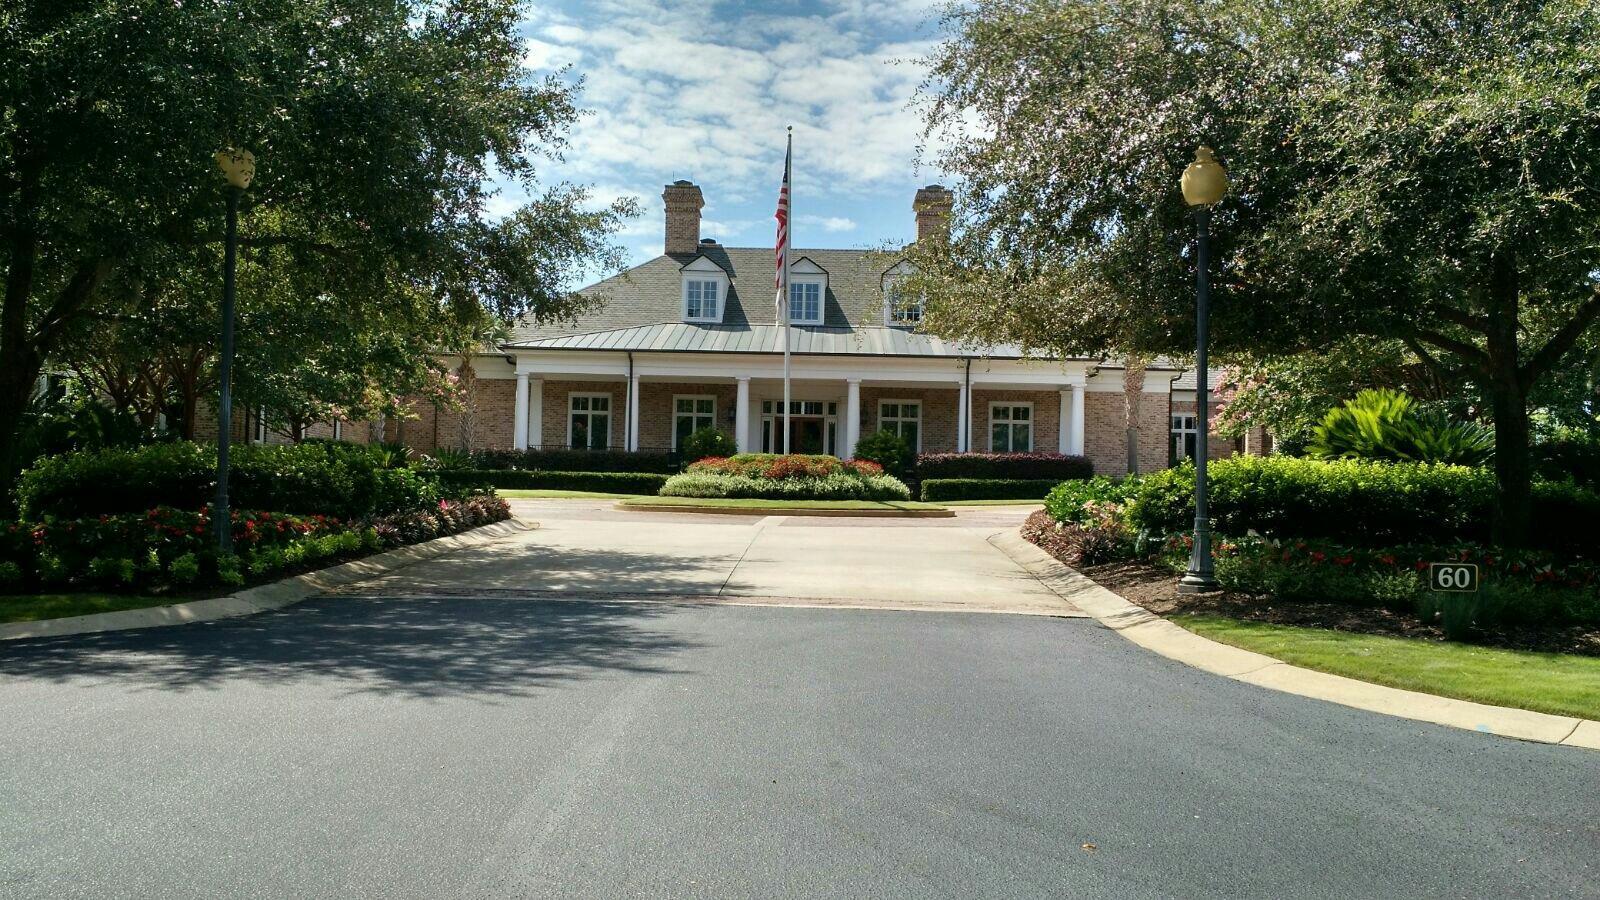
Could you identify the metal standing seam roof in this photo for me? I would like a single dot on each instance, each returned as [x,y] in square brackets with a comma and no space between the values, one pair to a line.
[680,337]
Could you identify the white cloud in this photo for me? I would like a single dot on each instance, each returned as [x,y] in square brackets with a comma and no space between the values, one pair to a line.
[828,223]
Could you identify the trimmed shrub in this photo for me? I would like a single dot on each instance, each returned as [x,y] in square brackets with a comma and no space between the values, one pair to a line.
[1025,466]
[1358,501]
[936,489]
[838,485]
[1069,501]
[563,460]
[513,479]
[707,441]
[322,478]
[889,450]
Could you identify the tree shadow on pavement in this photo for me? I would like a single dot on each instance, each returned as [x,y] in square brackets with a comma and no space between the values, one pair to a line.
[425,646]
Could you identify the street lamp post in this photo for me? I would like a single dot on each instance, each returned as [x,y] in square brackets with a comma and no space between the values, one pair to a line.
[239,166]
[1204,183]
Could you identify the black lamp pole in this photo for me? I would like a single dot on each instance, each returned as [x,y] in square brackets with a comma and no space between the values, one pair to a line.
[1200,577]
[220,519]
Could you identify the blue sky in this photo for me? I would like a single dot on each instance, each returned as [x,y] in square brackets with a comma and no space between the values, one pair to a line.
[703,91]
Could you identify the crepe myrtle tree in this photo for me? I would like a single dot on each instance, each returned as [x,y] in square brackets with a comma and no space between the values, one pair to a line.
[1420,171]
[378,126]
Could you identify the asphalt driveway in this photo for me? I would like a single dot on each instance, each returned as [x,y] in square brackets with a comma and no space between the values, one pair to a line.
[585,744]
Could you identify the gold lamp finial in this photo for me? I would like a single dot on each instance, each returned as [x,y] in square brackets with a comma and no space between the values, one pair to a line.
[238,164]
[1205,181]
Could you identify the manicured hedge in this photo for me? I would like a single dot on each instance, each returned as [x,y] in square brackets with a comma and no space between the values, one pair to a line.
[515,479]
[1019,466]
[346,480]
[936,489]
[563,460]
[1360,502]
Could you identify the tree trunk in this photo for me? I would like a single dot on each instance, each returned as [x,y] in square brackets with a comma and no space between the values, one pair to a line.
[1513,465]
[20,360]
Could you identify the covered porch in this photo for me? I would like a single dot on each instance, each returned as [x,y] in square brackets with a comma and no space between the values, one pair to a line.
[645,401]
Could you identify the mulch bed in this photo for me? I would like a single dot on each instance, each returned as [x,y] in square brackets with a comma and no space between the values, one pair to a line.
[1156,589]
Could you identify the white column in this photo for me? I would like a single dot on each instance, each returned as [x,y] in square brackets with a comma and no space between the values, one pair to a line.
[1064,411]
[535,435]
[519,418]
[964,419]
[1075,427]
[852,413]
[633,413]
[741,416]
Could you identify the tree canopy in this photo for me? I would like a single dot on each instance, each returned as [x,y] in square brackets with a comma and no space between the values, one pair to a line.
[1416,170]
[378,128]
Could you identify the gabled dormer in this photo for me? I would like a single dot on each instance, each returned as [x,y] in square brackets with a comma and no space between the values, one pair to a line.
[705,291]
[808,292]
[900,309]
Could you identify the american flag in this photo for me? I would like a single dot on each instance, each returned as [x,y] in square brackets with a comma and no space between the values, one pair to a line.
[782,216]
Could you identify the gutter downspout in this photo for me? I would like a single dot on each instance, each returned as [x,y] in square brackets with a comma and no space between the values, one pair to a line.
[966,422]
[1172,452]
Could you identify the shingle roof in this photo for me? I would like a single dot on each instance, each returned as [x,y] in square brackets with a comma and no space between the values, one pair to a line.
[651,293]
[679,337]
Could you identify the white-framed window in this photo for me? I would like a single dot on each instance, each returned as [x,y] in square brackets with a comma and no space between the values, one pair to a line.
[1185,437]
[904,418]
[806,297]
[702,300]
[1010,427]
[260,431]
[705,291]
[338,430]
[588,421]
[690,413]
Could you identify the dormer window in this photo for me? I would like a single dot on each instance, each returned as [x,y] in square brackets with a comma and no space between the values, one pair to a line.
[903,308]
[808,292]
[900,307]
[705,291]
[702,300]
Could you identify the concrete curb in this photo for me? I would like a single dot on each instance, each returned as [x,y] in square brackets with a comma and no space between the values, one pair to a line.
[1154,633]
[632,506]
[262,598]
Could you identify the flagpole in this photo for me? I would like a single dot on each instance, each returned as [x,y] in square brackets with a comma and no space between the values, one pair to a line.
[788,243]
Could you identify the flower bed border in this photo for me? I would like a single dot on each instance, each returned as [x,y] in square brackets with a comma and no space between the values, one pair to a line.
[270,596]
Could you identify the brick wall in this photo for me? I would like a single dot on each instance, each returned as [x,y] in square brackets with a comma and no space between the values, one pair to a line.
[939,408]
[656,409]
[1046,417]
[495,402]
[1105,432]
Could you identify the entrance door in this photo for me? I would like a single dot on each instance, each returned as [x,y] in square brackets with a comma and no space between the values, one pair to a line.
[813,427]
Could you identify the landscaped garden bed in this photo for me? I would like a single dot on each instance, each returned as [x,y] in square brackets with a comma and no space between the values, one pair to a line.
[779,477]
[301,508]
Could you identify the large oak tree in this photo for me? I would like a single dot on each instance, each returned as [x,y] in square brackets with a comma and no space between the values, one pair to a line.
[1426,171]
[377,125]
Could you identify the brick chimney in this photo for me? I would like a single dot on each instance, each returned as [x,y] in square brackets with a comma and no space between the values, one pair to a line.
[932,206]
[683,202]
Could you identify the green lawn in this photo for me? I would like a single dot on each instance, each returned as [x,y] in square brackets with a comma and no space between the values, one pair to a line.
[31,607]
[990,503]
[541,493]
[742,503]
[1557,683]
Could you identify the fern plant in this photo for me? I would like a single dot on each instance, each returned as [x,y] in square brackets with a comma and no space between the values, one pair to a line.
[1386,424]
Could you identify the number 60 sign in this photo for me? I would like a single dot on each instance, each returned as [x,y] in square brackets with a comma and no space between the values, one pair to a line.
[1453,576]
